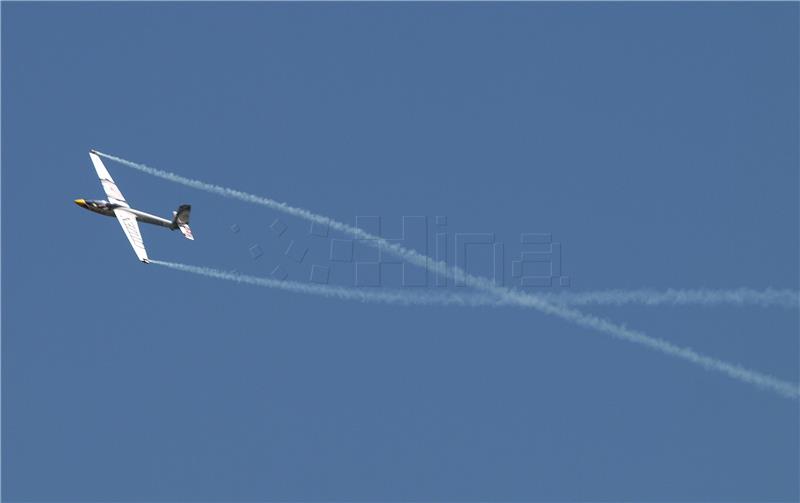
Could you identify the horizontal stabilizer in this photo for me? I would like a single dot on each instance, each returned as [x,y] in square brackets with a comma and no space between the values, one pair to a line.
[186,231]
[180,220]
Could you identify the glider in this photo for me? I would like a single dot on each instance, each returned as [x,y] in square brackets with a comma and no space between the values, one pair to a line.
[116,206]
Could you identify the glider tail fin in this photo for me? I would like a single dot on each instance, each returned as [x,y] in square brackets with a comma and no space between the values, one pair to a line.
[180,220]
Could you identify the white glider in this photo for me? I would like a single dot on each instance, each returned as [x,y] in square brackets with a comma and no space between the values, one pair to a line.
[116,206]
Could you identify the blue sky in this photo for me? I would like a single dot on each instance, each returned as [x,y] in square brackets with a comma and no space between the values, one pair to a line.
[656,143]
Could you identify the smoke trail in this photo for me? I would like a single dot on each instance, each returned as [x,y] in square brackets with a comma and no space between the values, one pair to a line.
[648,297]
[389,296]
[437,267]
[395,297]
[420,298]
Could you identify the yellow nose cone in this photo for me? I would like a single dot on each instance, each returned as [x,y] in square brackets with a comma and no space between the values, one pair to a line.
[80,202]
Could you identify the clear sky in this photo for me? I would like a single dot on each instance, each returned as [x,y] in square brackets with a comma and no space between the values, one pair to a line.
[657,143]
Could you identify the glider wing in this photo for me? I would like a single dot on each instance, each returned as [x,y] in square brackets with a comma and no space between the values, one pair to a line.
[112,191]
[131,227]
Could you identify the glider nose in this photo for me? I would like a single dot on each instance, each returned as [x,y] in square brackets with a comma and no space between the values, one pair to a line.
[80,202]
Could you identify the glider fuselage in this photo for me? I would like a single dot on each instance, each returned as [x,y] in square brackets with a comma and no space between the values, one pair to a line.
[106,208]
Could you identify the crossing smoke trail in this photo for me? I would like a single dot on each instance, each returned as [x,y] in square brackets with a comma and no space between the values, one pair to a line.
[440,268]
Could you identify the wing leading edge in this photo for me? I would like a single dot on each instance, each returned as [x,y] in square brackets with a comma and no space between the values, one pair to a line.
[111,189]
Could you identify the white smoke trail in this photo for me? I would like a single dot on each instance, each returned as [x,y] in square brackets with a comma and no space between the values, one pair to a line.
[422,298]
[437,267]
[378,296]
[648,297]
[466,299]
[387,296]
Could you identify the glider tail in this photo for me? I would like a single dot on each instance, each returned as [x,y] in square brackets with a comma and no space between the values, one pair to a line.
[180,220]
